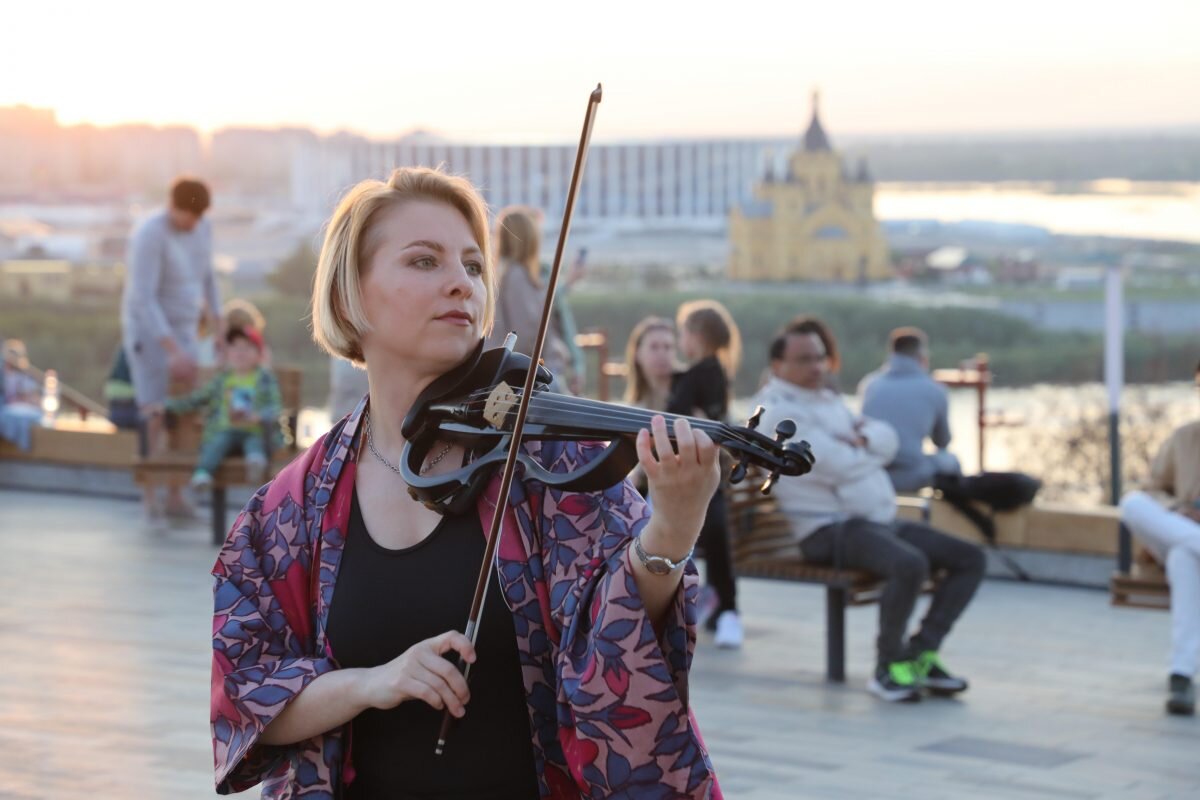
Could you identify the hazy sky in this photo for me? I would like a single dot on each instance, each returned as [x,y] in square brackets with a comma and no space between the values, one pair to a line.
[522,71]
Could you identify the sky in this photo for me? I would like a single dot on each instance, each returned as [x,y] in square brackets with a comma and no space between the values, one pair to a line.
[522,71]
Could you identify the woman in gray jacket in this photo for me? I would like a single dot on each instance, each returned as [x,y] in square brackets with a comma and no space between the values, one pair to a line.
[521,292]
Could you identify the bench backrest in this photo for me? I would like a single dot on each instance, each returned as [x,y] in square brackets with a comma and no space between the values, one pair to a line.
[757,526]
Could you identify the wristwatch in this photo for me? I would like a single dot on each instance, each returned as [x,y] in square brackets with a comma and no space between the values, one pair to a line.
[658,565]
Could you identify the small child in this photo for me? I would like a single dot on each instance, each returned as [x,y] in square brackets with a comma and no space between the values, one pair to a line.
[243,404]
[710,341]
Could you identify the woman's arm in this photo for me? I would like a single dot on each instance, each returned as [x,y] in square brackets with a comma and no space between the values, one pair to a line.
[333,699]
[330,701]
[682,482]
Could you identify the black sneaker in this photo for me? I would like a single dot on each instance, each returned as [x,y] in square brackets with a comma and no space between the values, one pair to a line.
[1182,700]
[932,675]
[896,683]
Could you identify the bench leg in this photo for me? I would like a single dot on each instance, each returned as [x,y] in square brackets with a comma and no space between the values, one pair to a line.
[218,515]
[835,634]
[1124,549]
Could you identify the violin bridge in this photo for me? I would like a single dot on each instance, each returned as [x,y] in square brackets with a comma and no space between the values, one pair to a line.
[498,405]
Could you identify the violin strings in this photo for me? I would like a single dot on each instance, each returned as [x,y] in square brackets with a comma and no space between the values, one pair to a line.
[637,420]
[608,413]
[602,411]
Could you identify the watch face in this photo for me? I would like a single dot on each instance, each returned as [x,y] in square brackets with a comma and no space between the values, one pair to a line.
[657,566]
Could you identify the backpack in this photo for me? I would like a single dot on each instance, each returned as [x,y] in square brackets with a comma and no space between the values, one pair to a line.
[999,491]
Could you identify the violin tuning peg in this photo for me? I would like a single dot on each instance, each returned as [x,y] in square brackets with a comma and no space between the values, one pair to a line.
[769,483]
[755,418]
[738,473]
[785,430]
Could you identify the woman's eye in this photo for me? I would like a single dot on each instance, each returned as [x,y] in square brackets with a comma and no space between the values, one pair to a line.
[424,262]
[474,268]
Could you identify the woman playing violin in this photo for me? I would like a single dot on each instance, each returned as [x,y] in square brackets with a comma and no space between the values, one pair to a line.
[339,598]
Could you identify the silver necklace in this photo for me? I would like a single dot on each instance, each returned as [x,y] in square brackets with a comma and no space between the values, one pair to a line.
[396,467]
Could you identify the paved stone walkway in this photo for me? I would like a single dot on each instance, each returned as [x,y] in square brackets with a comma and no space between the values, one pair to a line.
[104,685]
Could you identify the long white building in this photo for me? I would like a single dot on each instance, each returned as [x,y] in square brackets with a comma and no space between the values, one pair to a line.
[651,185]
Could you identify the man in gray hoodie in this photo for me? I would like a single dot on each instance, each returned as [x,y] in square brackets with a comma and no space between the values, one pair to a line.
[903,395]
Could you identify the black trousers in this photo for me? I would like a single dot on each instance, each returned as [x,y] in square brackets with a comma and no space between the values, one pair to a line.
[718,554]
[904,554]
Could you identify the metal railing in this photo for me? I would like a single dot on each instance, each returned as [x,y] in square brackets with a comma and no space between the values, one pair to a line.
[80,402]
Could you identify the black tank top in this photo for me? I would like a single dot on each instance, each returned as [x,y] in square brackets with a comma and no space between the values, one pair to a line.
[384,602]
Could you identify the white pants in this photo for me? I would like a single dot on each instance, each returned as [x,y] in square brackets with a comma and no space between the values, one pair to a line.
[1175,541]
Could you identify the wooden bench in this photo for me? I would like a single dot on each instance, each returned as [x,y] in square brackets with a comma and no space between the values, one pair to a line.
[174,467]
[765,547]
[1139,581]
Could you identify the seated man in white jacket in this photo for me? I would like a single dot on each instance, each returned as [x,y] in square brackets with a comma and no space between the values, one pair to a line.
[844,512]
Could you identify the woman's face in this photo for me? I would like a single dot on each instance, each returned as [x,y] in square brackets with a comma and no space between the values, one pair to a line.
[656,353]
[423,289]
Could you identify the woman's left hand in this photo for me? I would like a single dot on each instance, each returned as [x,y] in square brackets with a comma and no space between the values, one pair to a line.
[682,481]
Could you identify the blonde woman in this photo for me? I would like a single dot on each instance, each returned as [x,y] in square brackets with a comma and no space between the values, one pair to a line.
[522,293]
[650,360]
[338,595]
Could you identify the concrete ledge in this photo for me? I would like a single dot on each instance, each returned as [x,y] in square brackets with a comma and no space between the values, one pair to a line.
[92,481]
[74,447]
[1061,569]
[1049,527]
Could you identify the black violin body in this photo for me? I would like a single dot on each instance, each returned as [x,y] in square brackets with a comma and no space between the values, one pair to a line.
[473,405]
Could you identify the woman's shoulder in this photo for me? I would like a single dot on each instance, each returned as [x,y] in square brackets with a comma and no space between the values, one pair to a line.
[706,368]
[513,273]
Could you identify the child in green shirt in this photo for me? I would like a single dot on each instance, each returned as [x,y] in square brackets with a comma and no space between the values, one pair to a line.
[243,405]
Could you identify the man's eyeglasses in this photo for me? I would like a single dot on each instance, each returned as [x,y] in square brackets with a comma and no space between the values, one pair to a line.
[804,361]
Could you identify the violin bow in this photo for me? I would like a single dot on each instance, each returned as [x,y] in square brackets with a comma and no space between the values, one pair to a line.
[510,463]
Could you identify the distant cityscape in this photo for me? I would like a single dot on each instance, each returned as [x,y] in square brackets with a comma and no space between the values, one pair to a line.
[70,194]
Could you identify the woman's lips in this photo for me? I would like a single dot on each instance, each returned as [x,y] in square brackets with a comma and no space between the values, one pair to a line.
[456,318]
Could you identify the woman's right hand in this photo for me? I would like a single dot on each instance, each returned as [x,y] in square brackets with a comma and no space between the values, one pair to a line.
[421,673]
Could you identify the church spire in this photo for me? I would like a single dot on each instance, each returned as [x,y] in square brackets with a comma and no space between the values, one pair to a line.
[815,139]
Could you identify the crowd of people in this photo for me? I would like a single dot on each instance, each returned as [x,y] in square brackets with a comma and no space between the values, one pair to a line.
[331,637]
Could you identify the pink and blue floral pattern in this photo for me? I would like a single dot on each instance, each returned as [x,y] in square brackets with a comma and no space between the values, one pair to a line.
[607,696]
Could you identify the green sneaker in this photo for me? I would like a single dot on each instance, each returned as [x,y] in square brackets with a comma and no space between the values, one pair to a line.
[932,675]
[897,683]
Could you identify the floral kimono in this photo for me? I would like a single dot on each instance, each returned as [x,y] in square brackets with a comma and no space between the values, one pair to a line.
[607,697]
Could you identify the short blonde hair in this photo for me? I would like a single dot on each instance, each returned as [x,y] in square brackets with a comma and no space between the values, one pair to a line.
[338,319]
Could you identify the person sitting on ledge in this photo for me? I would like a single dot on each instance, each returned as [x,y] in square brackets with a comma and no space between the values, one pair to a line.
[902,394]
[1166,519]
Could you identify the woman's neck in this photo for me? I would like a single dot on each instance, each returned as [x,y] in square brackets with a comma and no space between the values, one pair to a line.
[393,391]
